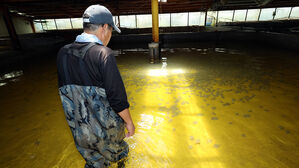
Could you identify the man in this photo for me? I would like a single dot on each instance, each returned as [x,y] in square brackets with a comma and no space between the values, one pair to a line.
[92,92]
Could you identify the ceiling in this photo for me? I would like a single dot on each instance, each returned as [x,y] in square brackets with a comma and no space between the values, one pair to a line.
[42,9]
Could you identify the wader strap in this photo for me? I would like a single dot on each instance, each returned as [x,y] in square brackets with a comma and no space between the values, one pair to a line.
[78,53]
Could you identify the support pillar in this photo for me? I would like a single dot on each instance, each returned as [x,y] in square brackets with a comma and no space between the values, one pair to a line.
[154,48]
[11,29]
[155,21]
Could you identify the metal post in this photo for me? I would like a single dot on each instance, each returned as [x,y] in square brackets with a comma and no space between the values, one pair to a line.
[169,19]
[290,12]
[206,15]
[246,15]
[258,19]
[188,19]
[42,24]
[55,24]
[217,18]
[71,23]
[274,13]
[136,21]
[233,16]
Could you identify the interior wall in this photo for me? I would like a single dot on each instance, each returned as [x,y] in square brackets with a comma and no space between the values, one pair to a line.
[22,26]
[3,29]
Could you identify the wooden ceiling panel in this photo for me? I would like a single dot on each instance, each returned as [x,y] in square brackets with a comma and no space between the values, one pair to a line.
[75,8]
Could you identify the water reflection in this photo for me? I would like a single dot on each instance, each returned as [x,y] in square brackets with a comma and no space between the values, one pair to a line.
[146,121]
[3,84]
[163,71]
[220,50]
[10,77]
[12,74]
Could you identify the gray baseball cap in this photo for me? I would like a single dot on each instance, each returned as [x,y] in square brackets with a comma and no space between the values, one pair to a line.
[99,14]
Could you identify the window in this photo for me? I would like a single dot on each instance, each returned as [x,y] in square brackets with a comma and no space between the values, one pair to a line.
[196,18]
[77,23]
[63,23]
[179,19]
[38,26]
[202,19]
[211,18]
[164,20]
[282,13]
[49,24]
[267,14]
[115,19]
[127,21]
[144,21]
[240,15]
[225,16]
[253,14]
[295,13]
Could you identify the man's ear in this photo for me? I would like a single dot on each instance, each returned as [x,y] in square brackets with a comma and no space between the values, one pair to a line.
[105,27]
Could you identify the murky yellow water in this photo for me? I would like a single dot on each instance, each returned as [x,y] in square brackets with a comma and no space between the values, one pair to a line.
[209,108]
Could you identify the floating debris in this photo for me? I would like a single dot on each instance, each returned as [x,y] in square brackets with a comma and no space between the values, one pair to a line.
[246,115]
[226,104]
[216,145]
[214,118]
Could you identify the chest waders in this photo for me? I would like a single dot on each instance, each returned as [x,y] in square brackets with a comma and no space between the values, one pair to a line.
[97,130]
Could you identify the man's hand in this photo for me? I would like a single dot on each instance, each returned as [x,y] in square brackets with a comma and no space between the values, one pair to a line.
[130,128]
[125,115]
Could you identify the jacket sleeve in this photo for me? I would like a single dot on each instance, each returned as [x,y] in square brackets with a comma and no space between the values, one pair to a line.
[113,84]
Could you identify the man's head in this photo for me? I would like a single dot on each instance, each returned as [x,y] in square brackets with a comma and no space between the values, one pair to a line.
[98,20]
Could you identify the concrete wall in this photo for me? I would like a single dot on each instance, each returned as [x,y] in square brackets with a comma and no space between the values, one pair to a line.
[22,26]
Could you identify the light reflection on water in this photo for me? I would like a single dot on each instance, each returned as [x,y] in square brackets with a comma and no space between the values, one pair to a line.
[3,84]
[186,106]
[12,74]
[146,121]
[10,77]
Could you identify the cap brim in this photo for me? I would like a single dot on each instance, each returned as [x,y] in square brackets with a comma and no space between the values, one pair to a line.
[116,28]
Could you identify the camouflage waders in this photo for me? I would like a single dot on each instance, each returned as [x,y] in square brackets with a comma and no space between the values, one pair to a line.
[97,130]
